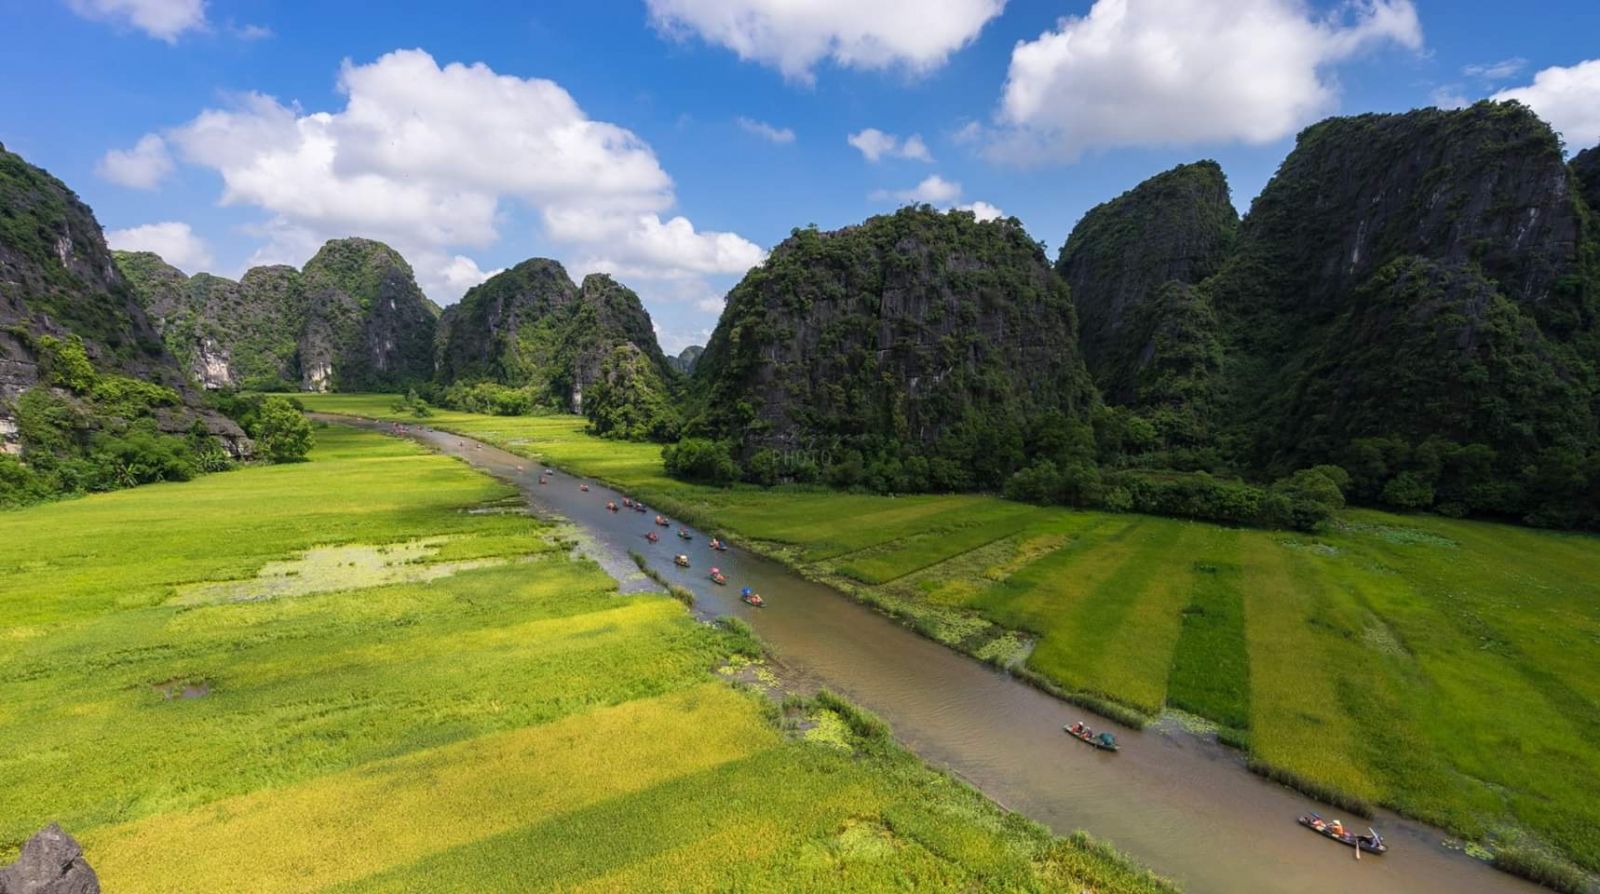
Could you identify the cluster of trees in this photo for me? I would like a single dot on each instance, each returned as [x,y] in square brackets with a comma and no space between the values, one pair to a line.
[1057,460]
[83,430]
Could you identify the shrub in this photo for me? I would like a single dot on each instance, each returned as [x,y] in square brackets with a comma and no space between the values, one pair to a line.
[281,433]
[700,460]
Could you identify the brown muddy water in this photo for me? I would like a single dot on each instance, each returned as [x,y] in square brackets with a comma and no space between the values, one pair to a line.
[1180,804]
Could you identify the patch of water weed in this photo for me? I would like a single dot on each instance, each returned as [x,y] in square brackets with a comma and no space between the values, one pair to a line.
[1399,535]
[828,728]
[1315,547]
[328,569]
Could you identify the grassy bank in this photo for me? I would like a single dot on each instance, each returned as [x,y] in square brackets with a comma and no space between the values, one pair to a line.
[1448,669]
[369,673]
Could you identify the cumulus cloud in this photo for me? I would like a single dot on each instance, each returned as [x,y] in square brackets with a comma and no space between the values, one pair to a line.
[766,131]
[983,211]
[917,35]
[876,145]
[933,190]
[1177,72]
[162,19]
[175,242]
[431,158]
[1568,98]
[142,167]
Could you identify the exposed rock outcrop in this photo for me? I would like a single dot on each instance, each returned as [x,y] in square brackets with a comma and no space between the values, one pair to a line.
[1176,227]
[51,863]
[58,279]
[1586,167]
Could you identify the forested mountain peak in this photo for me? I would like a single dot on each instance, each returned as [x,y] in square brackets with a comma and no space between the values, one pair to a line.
[1176,227]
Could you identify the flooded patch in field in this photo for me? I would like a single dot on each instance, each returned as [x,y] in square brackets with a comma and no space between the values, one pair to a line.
[328,569]
[183,689]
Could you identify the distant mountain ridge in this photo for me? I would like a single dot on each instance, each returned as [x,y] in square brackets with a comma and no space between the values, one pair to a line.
[352,319]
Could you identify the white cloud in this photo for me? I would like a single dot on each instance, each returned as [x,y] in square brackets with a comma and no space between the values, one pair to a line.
[1176,72]
[162,19]
[933,190]
[766,131]
[462,273]
[918,35]
[1568,98]
[175,242]
[250,32]
[431,159]
[1496,71]
[142,167]
[1449,96]
[875,145]
[983,211]
[711,304]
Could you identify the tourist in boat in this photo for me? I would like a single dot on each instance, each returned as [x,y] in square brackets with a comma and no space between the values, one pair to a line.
[681,560]
[611,505]
[652,537]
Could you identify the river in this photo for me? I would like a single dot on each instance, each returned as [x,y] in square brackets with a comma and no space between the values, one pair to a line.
[1180,804]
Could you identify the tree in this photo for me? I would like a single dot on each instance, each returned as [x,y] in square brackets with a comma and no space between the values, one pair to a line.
[281,433]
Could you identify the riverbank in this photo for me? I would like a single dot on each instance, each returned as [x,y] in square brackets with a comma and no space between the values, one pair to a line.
[1465,649]
[374,671]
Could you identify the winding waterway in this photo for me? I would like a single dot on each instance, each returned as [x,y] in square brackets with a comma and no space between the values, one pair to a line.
[1182,805]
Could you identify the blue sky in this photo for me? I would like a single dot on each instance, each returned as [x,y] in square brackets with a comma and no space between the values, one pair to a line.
[673,141]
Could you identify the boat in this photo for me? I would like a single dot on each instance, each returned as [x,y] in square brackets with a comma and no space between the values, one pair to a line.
[717,577]
[652,537]
[681,561]
[1082,732]
[662,522]
[612,506]
[752,598]
[719,545]
[584,488]
[1371,842]
[684,535]
[544,481]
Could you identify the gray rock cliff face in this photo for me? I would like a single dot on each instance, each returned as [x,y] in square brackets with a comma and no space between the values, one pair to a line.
[59,279]
[51,863]
[1175,227]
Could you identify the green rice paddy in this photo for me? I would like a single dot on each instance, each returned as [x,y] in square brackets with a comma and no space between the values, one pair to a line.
[1448,669]
[336,676]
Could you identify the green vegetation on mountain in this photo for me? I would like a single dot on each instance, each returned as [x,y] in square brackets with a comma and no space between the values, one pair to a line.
[1138,250]
[1413,298]
[1436,666]
[354,318]
[89,398]
[224,333]
[442,697]
[528,338]
[917,350]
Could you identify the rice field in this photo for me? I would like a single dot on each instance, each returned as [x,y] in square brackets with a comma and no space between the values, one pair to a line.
[368,672]
[1448,669]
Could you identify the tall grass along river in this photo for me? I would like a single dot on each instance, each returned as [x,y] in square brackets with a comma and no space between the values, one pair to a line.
[1174,800]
